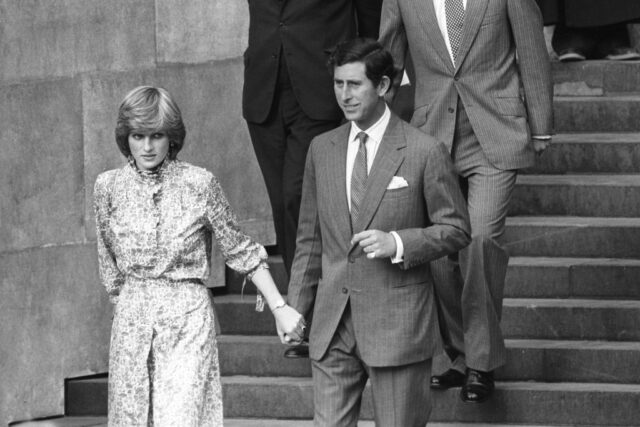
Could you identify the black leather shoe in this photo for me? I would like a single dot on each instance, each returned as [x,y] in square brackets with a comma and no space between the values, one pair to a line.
[477,387]
[297,352]
[449,379]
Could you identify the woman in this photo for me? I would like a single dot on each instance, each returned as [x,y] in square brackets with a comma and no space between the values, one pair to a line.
[156,218]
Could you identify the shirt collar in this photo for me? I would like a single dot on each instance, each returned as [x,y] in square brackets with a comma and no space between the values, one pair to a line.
[375,131]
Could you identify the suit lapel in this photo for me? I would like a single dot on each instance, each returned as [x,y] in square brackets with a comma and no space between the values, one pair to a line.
[386,163]
[424,9]
[336,169]
[472,19]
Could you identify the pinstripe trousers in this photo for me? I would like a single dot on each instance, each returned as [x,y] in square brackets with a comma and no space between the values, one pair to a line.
[470,286]
[401,395]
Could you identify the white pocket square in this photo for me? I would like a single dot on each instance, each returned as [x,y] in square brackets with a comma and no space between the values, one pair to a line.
[397,182]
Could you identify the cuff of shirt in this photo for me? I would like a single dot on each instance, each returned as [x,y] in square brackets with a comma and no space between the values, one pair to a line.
[399,257]
[541,137]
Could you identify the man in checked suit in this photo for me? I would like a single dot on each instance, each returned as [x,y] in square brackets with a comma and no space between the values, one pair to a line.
[380,200]
[493,113]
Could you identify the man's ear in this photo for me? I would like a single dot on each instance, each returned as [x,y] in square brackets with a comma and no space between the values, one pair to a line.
[384,85]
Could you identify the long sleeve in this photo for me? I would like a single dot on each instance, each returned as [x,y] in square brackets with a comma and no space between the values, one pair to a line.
[240,252]
[110,276]
[393,36]
[533,63]
[450,229]
[306,269]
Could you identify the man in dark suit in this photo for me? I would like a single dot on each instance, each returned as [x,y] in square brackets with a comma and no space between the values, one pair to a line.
[380,200]
[468,95]
[287,97]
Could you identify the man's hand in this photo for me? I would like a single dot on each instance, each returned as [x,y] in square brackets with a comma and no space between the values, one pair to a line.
[376,243]
[290,325]
[539,145]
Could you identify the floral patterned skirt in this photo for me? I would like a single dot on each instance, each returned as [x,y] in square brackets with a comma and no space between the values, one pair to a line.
[163,361]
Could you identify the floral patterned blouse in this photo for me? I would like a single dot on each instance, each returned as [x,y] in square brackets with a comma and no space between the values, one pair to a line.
[159,225]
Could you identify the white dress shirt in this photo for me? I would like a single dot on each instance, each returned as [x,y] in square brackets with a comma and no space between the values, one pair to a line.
[374,137]
[441,15]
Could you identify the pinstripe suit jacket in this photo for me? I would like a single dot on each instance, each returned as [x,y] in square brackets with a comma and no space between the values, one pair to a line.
[506,101]
[392,305]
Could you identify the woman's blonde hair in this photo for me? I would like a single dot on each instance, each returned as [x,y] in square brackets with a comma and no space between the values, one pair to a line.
[150,109]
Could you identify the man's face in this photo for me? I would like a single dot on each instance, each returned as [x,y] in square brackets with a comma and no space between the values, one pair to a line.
[359,99]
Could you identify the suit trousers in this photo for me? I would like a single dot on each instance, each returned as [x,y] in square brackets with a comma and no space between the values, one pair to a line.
[469,285]
[401,395]
[281,144]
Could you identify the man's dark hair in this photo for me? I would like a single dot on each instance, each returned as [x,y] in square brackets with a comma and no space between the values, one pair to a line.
[377,61]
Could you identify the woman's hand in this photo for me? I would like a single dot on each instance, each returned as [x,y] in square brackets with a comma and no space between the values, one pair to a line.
[290,325]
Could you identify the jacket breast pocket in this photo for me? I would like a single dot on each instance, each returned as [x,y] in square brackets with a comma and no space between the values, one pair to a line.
[510,106]
[396,194]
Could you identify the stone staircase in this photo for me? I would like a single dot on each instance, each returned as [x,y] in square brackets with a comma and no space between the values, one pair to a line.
[572,301]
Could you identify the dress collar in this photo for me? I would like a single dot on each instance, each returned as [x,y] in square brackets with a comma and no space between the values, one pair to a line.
[150,177]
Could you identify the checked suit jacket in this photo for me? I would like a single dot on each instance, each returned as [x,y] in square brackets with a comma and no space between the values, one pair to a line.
[392,305]
[506,100]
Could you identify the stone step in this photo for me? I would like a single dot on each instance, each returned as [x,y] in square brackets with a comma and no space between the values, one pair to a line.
[98,421]
[539,318]
[527,360]
[577,195]
[590,153]
[234,422]
[595,78]
[513,402]
[272,398]
[597,113]
[530,277]
[543,277]
[571,319]
[564,236]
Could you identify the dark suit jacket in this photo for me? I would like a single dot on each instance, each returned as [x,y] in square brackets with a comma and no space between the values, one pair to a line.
[506,101]
[588,13]
[304,31]
[392,305]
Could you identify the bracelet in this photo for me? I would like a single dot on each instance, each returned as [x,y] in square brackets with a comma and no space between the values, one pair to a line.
[284,304]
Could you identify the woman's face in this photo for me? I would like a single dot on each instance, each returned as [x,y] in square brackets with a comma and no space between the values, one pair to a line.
[148,149]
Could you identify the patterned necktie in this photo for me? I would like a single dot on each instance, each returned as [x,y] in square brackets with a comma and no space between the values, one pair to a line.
[454,10]
[358,177]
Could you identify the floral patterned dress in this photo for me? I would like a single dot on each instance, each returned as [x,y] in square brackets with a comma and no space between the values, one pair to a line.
[154,236]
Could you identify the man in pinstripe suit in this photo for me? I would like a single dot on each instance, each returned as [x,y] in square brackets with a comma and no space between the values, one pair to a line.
[380,200]
[493,113]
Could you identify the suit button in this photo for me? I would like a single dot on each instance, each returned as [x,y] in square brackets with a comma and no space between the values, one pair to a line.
[352,259]
[456,78]
[344,290]
[451,110]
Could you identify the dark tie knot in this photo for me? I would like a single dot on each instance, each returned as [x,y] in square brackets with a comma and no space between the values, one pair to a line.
[362,137]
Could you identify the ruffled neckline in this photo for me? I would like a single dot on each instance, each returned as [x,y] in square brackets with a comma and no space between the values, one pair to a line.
[151,177]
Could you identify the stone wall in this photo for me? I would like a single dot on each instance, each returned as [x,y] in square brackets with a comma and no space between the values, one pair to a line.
[64,68]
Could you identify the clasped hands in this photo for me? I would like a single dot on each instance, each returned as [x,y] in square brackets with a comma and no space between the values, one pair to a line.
[290,324]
